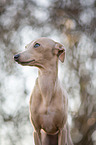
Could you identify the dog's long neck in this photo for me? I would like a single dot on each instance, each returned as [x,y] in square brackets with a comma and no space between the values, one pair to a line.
[47,79]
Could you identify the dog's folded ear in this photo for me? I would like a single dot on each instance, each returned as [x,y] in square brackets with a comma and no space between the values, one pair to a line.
[59,50]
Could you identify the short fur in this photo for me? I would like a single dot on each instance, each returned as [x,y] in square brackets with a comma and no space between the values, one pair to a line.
[48,102]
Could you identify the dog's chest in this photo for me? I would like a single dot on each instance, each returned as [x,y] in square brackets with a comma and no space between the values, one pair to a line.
[50,118]
[48,115]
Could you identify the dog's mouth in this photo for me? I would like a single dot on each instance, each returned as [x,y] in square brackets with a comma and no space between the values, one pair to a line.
[26,62]
[34,63]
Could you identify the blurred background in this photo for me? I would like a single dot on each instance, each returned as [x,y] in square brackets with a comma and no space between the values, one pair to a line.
[71,22]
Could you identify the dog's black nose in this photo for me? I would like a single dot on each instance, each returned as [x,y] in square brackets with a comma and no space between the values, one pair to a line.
[16,57]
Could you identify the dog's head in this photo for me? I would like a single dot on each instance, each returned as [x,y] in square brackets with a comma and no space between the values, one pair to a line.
[39,52]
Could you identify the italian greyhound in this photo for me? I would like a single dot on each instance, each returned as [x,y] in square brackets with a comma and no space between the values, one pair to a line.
[48,102]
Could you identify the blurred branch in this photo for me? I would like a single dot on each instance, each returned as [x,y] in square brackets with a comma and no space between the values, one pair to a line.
[87,138]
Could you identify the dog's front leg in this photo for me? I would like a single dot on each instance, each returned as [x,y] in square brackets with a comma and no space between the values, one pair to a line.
[37,138]
[62,137]
[69,135]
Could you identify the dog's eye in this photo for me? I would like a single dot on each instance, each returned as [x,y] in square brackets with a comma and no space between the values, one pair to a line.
[36,45]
